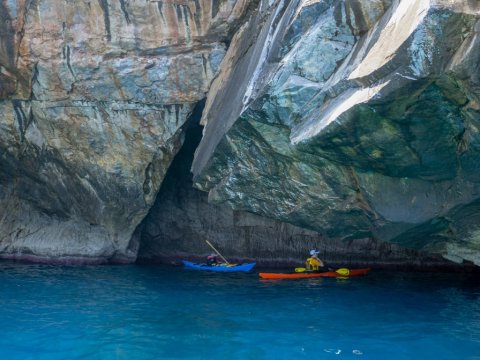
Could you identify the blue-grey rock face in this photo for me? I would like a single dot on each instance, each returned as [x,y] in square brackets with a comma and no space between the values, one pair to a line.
[353,118]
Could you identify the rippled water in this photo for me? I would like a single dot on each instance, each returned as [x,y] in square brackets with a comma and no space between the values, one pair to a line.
[154,312]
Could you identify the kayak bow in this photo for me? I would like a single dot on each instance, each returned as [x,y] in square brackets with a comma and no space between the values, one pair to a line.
[304,275]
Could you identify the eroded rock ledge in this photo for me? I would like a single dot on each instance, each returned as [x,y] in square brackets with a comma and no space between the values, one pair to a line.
[357,119]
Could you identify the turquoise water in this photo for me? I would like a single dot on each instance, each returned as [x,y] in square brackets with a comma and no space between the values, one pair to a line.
[159,312]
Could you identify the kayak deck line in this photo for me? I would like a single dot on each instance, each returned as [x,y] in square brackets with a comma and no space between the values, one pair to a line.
[305,275]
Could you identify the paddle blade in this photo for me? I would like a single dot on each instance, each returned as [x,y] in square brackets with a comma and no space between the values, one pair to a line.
[300,269]
[343,271]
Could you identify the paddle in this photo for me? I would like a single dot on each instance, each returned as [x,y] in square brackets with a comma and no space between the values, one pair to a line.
[218,253]
[341,271]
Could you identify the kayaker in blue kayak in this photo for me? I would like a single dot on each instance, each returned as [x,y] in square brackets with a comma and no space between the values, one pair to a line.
[212,260]
[313,263]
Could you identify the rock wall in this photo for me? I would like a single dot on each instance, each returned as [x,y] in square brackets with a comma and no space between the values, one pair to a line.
[93,97]
[357,119]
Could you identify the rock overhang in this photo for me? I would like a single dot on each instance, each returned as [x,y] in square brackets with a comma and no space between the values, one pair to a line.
[391,140]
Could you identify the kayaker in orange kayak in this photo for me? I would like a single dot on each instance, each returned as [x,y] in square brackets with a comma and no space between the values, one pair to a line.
[313,263]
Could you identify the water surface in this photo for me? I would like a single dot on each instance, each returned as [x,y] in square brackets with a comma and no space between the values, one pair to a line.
[160,312]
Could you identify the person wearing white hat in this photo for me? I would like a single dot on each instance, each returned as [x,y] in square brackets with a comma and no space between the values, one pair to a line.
[313,263]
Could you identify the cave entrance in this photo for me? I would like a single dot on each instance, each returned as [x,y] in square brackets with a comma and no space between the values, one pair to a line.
[168,224]
[181,219]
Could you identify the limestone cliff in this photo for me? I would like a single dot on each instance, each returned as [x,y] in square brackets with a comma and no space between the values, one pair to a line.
[93,96]
[354,118]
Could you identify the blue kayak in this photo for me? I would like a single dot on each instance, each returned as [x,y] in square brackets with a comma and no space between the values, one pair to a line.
[220,268]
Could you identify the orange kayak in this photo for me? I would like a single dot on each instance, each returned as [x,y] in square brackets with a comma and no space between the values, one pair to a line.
[303,275]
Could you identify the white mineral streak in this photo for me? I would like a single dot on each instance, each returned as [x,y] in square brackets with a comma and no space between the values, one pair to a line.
[402,24]
[272,34]
[341,105]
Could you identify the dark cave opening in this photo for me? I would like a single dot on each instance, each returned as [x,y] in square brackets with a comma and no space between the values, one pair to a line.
[160,229]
